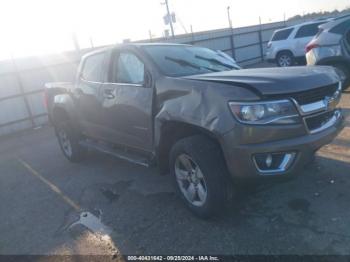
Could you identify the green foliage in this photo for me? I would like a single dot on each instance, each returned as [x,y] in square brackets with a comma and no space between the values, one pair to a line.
[321,14]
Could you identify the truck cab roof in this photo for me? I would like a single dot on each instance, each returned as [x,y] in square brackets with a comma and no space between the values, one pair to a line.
[103,49]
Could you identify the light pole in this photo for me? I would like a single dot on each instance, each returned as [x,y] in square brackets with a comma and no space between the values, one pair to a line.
[75,41]
[232,36]
[170,18]
[229,17]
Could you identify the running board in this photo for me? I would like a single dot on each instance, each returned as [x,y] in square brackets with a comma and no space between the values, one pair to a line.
[122,154]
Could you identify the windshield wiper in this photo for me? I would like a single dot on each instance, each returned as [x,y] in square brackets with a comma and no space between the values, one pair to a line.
[215,61]
[184,62]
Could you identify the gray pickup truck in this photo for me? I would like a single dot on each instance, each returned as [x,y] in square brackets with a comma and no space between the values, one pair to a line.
[191,112]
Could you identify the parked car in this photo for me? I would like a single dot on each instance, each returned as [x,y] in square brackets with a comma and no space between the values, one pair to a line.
[287,45]
[190,112]
[331,46]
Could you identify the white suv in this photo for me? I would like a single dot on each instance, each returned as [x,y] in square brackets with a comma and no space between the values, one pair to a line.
[331,46]
[287,45]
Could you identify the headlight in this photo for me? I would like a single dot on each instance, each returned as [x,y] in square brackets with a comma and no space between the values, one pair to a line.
[260,113]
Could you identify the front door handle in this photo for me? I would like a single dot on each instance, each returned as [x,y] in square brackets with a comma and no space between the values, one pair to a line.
[108,93]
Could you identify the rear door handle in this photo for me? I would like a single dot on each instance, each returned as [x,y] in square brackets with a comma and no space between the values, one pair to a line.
[108,93]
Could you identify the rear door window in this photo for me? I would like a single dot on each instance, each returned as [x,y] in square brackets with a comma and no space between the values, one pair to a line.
[92,67]
[341,28]
[282,35]
[307,30]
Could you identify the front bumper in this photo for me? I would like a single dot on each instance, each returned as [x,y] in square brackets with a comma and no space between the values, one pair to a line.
[240,161]
[270,55]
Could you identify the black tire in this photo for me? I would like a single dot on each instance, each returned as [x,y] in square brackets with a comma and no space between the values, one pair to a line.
[208,157]
[345,72]
[285,59]
[76,152]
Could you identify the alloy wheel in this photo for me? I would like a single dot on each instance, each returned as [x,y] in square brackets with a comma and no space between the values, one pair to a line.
[190,180]
[65,142]
[285,60]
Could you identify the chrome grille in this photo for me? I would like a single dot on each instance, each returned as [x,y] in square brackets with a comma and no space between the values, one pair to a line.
[319,120]
[313,95]
[319,108]
[322,121]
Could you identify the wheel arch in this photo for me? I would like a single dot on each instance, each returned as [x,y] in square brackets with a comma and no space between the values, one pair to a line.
[284,50]
[64,108]
[59,114]
[170,133]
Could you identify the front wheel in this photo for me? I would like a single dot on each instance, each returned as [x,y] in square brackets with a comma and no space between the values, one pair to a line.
[200,175]
[68,140]
[285,59]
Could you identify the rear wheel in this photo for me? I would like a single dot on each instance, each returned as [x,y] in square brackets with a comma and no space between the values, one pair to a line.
[68,140]
[285,59]
[200,175]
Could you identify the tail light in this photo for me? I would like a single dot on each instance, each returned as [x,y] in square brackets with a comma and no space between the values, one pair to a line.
[46,100]
[311,46]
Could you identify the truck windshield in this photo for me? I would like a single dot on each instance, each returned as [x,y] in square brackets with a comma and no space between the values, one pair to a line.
[178,60]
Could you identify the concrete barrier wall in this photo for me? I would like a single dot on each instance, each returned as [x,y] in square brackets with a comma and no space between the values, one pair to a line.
[22,80]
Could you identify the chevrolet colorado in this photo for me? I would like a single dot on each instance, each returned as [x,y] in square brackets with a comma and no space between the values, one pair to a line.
[191,112]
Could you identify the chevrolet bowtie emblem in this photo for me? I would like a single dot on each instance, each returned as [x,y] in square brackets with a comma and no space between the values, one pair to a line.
[330,102]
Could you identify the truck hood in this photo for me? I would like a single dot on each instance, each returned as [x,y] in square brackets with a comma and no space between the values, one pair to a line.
[274,81]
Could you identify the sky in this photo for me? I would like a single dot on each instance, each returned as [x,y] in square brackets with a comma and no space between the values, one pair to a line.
[37,27]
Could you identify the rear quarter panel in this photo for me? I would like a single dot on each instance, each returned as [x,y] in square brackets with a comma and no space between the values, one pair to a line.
[59,96]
